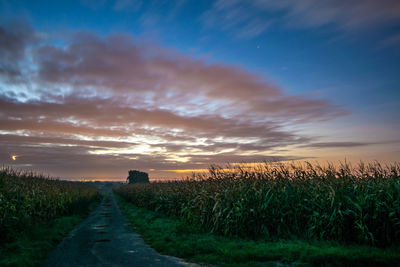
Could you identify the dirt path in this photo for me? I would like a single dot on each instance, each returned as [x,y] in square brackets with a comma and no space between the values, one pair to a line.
[105,239]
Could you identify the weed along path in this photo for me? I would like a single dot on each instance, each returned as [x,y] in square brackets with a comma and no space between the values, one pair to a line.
[105,239]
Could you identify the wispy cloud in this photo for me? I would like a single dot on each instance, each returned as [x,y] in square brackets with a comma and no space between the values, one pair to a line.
[163,78]
[238,17]
[393,40]
[345,144]
[103,103]
[337,144]
[255,16]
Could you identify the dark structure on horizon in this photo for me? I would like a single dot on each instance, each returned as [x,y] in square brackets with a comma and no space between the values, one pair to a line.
[136,177]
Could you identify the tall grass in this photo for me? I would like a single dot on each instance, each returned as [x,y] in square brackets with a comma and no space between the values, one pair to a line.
[352,205]
[27,198]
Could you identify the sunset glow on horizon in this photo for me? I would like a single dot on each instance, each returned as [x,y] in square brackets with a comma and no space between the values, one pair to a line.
[92,89]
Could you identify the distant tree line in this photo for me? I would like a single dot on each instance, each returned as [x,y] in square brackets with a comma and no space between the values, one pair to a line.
[136,177]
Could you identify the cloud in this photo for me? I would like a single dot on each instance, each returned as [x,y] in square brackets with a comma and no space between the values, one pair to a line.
[255,16]
[76,161]
[120,65]
[104,104]
[57,140]
[347,144]
[348,15]
[235,16]
[14,38]
[337,144]
[393,40]
[104,117]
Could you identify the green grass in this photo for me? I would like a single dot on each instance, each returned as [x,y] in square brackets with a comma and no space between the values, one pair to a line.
[31,246]
[177,238]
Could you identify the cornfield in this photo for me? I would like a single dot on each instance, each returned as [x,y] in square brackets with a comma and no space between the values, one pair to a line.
[27,198]
[350,205]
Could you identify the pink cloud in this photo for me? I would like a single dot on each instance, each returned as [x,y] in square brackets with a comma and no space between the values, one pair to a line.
[119,65]
[98,103]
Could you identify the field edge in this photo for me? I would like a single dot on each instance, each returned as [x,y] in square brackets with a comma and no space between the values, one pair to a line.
[176,238]
[31,247]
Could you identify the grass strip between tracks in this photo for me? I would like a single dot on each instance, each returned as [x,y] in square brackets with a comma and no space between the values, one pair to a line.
[176,238]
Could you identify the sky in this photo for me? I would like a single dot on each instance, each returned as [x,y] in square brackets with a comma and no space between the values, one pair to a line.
[91,89]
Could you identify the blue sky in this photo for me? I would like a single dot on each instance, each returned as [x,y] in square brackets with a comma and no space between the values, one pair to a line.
[340,57]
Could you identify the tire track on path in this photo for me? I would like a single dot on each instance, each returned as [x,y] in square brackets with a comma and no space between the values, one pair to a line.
[105,239]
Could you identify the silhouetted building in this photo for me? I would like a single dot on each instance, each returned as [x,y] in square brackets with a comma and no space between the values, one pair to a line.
[136,177]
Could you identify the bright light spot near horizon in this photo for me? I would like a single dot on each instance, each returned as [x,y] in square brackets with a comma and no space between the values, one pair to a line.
[14,157]
[178,158]
[138,149]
